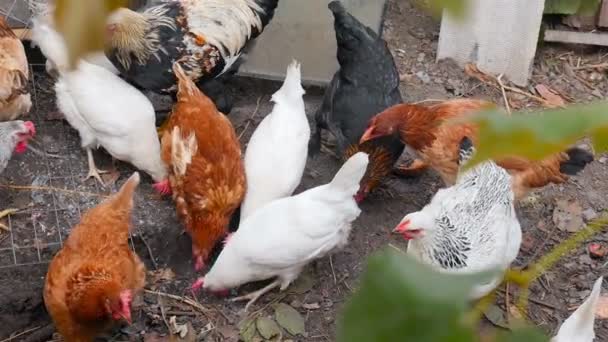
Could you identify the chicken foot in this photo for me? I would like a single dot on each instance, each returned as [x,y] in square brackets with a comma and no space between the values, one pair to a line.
[254,296]
[93,170]
[4,213]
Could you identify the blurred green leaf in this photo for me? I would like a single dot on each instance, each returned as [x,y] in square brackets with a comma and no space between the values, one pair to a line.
[403,300]
[457,8]
[536,135]
[583,7]
[267,327]
[290,319]
[82,23]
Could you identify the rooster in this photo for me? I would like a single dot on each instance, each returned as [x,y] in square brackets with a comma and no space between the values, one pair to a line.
[206,37]
[15,99]
[14,137]
[206,171]
[469,227]
[277,151]
[105,110]
[579,326]
[92,280]
[366,84]
[279,239]
[422,128]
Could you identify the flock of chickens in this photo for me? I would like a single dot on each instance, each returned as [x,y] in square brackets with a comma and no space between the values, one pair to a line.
[190,48]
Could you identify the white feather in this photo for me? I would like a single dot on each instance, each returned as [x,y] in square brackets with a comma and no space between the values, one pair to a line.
[106,110]
[477,215]
[579,326]
[226,24]
[277,151]
[283,236]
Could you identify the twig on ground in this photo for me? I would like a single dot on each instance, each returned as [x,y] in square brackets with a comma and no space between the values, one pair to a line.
[504,93]
[152,258]
[162,313]
[184,300]
[331,264]
[250,119]
[428,100]
[50,188]
[21,334]
[44,154]
[591,66]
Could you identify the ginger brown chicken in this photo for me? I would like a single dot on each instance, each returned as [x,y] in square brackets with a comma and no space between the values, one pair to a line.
[422,128]
[92,280]
[15,99]
[206,172]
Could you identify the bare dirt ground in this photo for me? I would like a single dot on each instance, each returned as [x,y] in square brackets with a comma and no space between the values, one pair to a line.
[47,216]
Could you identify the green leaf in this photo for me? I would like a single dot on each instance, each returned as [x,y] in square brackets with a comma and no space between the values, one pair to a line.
[289,319]
[247,329]
[82,24]
[457,8]
[403,300]
[268,328]
[582,7]
[537,135]
[495,315]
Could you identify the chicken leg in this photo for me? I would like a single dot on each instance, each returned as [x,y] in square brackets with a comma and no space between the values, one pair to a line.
[5,213]
[93,170]
[253,296]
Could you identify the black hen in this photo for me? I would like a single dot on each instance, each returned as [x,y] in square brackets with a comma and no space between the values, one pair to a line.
[206,37]
[366,84]
[577,160]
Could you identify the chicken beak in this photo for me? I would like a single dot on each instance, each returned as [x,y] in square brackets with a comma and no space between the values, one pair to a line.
[402,227]
[367,135]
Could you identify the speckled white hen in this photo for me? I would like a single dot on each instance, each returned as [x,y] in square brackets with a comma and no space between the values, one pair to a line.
[469,227]
[279,239]
[277,151]
[579,326]
[106,110]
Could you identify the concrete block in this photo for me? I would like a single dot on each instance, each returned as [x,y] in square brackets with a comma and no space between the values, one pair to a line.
[499,36]
[304,29]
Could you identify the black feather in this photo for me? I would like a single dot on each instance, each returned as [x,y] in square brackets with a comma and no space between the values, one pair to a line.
[577,160]
[366,84]
[466,149]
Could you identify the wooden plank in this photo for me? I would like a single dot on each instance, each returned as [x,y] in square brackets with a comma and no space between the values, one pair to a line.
[574,37]
[602,20]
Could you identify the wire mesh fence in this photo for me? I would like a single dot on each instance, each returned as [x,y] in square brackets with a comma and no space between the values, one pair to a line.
[53,183]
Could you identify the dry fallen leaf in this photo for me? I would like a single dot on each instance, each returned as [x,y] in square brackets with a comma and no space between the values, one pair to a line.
[163,274]
[602,307]
[567,215]
[473,71]
[553,100]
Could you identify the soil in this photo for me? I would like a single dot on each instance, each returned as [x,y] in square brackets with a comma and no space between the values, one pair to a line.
[37,231]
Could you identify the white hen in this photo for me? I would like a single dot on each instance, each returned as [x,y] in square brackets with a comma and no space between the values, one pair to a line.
[277,151]
[279,239]
[105,110]
[579,326]
[469,227]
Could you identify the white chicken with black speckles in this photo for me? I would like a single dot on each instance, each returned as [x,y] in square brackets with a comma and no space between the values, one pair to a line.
[469,227]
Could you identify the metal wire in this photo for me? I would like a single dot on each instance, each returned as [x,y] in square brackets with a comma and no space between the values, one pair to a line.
[34,222]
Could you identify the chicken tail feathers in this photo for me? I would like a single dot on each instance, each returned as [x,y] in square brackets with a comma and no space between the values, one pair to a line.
[580,323]
[577,161]
[291,90]
[124,196]
[184,83]
[51,44]
[348,177]
[268,7]
[465,150]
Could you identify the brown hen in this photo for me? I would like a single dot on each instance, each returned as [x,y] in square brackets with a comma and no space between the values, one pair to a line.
[15,99]
[423,129]
[92,280]
[206,171]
